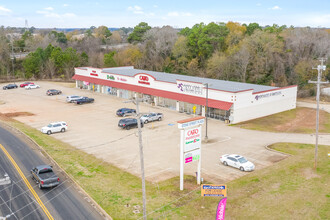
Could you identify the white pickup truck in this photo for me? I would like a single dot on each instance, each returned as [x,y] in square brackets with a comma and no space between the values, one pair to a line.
[151,117]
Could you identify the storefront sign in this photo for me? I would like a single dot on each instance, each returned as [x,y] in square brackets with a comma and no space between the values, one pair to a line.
[121,79]
[192,156]
[111,77]
[93,73]
[192,139]
[144,80]
[213,190]
[267,95]
[191,88]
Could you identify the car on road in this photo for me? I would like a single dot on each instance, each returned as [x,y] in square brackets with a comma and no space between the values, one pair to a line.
[128,123]
[83,100]
[44,176]
[151,117]
[10,86]
[25,84]
[72,98]
[237,161]
[53,92]
[32,86]
[55,127]
[125,112]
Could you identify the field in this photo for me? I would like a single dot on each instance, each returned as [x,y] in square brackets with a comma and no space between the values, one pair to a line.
[299,120]
[290,189]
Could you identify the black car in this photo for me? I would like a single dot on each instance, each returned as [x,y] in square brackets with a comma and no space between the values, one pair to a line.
[128,123]
[84,100]
[53,92]
[10,86]
[125,111]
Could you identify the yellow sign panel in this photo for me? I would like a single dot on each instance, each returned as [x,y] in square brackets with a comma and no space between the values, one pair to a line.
[213,190]
[194,108]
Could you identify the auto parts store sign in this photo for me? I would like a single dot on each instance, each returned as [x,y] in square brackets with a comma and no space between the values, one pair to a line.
[192,139]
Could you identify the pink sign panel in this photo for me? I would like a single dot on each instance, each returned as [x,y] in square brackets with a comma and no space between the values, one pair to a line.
[188,159]
[221,209]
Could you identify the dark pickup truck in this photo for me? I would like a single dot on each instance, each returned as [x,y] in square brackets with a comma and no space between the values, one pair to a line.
[83,100]
[44,176]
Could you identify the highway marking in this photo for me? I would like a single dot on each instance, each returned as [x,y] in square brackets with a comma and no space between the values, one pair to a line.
[27,183]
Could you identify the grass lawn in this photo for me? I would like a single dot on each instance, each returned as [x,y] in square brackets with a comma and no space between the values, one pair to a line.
[299,120]
[290,189]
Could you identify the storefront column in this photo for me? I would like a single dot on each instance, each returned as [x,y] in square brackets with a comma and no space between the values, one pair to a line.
[102,89]
[89,86]
[76,83]
[155,101]
[118,93]
[203,111]
[177,106]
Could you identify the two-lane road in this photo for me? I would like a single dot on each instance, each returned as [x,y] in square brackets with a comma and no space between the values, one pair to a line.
[22,199]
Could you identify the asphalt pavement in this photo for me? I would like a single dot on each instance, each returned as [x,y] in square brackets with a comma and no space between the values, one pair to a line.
[17,200]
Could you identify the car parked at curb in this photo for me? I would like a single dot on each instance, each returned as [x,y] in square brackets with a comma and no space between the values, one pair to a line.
[53,92]
[83,100]
[25,84]
[72,98]
[32,86]
[146,118]
[125,112]
[55,127]
[128,123]
[237,161]
[44,176]
[10,86]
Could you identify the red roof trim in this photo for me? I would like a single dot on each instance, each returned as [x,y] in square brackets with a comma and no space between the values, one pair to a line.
[275,89]
[155,92]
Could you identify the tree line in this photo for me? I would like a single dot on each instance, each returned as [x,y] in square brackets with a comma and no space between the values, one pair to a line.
[271,55]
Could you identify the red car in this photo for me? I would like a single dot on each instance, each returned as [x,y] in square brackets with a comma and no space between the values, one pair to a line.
[25,84]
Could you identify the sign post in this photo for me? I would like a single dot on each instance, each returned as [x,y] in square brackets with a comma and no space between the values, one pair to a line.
[190,145]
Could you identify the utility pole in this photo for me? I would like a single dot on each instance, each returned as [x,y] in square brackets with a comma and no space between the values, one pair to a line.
[319,69]
[138,116]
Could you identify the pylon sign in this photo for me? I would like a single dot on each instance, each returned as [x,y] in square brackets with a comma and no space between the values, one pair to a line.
[190,144]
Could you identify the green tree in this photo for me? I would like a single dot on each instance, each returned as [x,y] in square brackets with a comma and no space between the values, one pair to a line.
[251,28]
[138,32]
[33,64]
[109,59]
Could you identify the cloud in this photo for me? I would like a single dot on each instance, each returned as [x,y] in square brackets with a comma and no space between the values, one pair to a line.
[65,5]
[276,8]
[177,14]
[258,4]
[49,14]
[135,9]
[49,9]
[4,11]
[155,6]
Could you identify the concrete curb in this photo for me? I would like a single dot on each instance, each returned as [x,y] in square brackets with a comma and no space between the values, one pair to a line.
[267,148]
[91,200]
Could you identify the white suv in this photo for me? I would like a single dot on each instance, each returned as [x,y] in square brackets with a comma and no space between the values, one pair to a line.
[72,98]
[55,127]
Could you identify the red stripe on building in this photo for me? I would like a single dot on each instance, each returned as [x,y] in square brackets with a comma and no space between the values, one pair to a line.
[155,92]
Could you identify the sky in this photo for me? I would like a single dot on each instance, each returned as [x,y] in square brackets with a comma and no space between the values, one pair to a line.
[158,13]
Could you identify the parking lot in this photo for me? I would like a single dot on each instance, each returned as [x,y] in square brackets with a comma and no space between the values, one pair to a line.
[93,128]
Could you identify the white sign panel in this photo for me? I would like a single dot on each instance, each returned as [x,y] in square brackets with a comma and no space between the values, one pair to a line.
[192,156]
[191,124]
[192,139]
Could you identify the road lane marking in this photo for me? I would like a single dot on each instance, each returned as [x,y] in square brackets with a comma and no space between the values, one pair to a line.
[27,183]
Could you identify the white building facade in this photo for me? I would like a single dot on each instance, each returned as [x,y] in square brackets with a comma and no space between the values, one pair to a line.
[231,101]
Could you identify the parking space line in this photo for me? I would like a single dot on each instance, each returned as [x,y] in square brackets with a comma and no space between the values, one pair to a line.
[162,171]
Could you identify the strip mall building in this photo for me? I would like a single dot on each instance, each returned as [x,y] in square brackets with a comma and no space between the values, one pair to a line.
[226,100]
